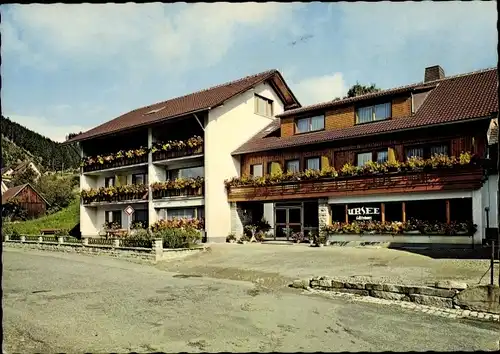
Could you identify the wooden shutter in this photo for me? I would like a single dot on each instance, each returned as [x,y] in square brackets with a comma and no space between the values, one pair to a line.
[391,155]
[325,162]
[275,167]
[120,180]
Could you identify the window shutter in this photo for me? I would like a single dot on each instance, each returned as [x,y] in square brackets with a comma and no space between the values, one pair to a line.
[391,156]
[120,180]
[275,167]
[325,162]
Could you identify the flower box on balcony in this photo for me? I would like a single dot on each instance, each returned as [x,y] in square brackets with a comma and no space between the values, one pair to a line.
[187,192]
[461,177]
[117,162]
[172,154]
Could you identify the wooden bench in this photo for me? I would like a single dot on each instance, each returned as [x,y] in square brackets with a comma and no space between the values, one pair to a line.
[49,231]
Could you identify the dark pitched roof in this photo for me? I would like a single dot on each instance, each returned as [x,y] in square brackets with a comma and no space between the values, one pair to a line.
[12,192]
[191,103]
[453,99]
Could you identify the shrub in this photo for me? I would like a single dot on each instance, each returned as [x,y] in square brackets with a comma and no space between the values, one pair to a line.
[231,237]
[61,232]
[58,191]
[178,237]
[178,223]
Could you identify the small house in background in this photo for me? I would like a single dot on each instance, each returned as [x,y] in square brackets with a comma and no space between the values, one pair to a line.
[26,198]
[8,173]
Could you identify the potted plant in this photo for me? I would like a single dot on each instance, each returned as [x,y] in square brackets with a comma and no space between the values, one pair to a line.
[319,239]
[231,238]
[298,237]
[244,239]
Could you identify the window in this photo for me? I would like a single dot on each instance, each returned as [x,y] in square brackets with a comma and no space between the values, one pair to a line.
[109,181]
[263,106]
[257,170]
[293,166]
[415,152]
[426,151]
[140,178]
[313,163]
[373,113]
[114,216]
[141,215]
[439,149]
[310,124]
[363,158]
[381,156]
[189,172]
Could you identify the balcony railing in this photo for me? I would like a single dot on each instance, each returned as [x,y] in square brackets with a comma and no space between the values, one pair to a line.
[465,175]
[119,159]
[115,194]
[160,150]
[177,148]
[173,154]
[182,187]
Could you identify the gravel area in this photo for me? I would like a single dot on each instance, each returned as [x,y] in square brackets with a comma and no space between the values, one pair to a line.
[275,265]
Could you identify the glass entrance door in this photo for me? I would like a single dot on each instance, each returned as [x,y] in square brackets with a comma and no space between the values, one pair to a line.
[288,219]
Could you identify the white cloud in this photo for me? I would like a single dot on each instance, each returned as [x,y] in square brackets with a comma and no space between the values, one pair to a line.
[147,35]
[319,89]
[45,127]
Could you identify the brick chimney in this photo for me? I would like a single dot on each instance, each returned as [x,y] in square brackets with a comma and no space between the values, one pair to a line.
[433,73]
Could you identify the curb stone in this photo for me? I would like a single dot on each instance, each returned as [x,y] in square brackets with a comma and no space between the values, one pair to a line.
[450,313]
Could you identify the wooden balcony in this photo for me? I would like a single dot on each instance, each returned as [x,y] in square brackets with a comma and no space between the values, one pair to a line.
[458,178]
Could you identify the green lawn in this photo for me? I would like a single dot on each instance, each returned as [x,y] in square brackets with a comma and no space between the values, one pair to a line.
[63,219]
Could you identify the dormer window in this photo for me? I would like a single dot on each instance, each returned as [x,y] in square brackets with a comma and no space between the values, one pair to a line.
[263,106]
[373,113]
[310,124]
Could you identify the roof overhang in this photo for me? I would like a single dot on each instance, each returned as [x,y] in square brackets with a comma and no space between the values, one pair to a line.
[250,151]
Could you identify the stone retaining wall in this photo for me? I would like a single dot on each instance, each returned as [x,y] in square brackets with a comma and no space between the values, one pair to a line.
[148,255]
[447,294]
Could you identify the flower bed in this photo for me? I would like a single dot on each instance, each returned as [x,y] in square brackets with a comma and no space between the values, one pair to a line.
[160,151]
[413,164]
[412,226]
[178,187]
[114,194]
[197,224]
[177,148]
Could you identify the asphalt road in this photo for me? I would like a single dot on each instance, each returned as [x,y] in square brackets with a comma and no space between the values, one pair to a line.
[73,303]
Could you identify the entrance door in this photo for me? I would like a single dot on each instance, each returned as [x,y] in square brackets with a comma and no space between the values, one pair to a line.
[288,219]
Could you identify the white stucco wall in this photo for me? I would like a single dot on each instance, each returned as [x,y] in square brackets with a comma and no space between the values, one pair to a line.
[227,128]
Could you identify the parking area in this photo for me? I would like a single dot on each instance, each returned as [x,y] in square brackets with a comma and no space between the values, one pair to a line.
[277,264]
[56,302]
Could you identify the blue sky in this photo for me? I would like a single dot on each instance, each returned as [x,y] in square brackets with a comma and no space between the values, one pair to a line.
[67,68]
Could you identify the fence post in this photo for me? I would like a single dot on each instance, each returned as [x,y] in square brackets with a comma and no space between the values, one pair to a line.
[40,238]
[158,248]
[85,241]
[23,238]
[116,242]
[60,239]
[6,238]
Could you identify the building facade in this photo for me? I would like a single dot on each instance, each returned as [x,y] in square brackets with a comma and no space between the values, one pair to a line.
[170,159]
[409,165]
